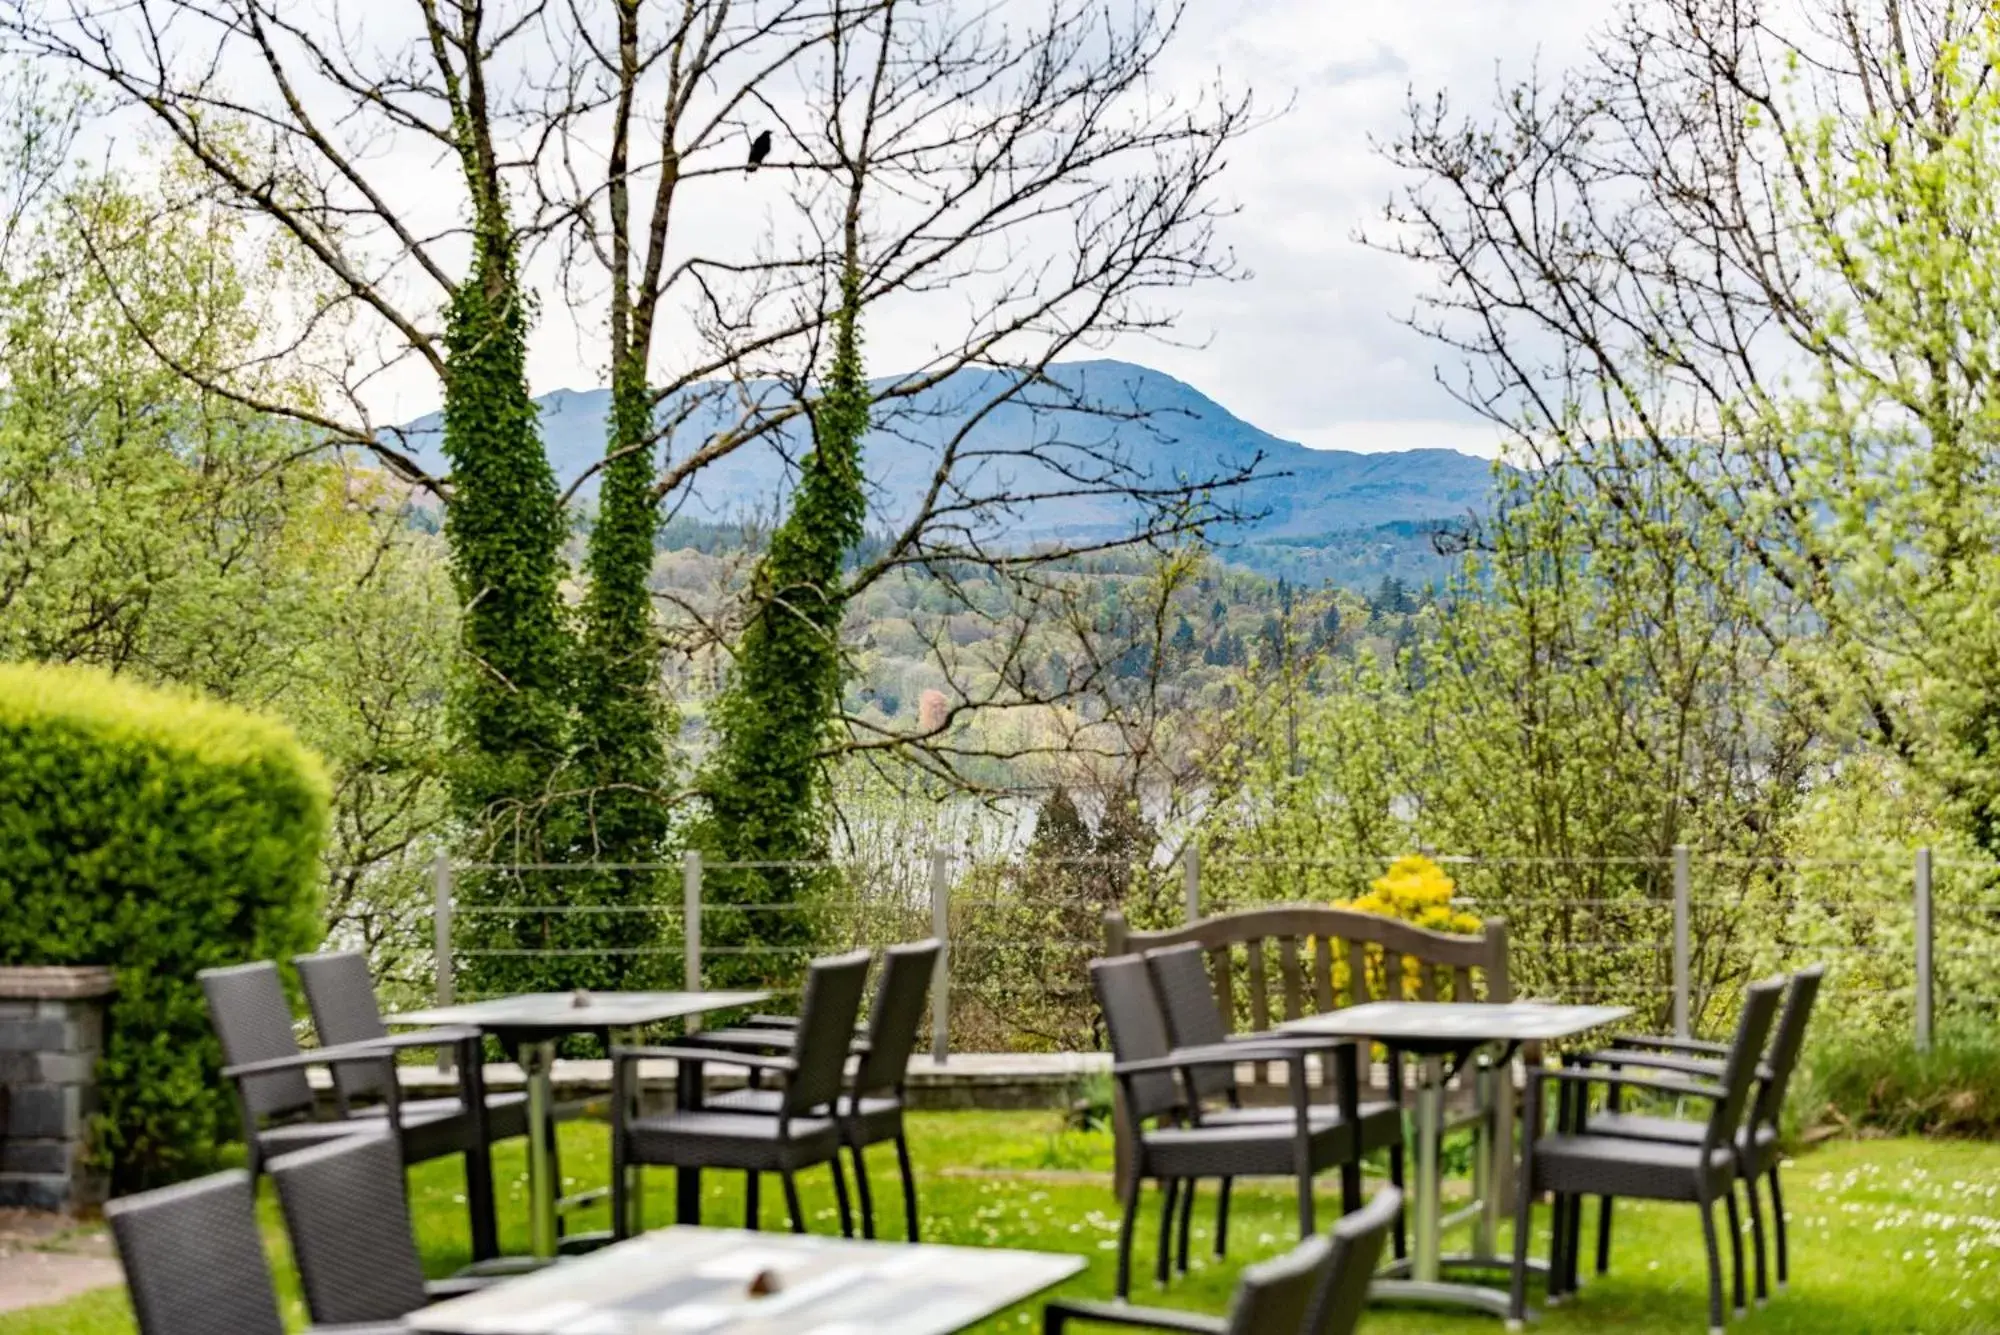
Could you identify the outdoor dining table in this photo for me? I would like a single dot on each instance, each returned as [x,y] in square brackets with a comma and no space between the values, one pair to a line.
[713,1281]
[1445,1035]
[530,1025]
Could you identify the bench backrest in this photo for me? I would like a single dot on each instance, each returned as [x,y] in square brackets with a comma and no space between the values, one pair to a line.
[1379,959]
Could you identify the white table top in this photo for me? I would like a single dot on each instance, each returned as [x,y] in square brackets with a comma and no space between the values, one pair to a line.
[696,1281]
[560,1011]
[1435,1024]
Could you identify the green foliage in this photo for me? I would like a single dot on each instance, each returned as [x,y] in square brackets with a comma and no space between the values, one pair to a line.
[766,785]
[174,536]
[160,834]
[509,702]
[1876,1080]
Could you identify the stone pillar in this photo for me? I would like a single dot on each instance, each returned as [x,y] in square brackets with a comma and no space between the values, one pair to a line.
[51,1034]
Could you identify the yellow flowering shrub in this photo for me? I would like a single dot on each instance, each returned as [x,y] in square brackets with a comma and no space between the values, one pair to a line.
[1414,890]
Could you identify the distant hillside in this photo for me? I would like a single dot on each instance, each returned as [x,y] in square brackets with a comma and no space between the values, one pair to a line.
[1164,426]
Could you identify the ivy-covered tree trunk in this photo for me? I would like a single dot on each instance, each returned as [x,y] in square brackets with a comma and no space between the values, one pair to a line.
[510,708]
[620,766]
[765,786]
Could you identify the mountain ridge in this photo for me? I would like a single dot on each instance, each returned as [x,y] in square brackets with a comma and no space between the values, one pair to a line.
[1163,425]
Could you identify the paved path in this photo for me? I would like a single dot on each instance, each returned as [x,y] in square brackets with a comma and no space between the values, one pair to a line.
[47,1258]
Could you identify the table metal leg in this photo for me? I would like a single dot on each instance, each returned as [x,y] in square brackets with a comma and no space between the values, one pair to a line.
[1428,1241]
[1420,1280]
[537,1064]
[1486,1172]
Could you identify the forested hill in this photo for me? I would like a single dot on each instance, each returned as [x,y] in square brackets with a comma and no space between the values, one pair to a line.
[1162,425]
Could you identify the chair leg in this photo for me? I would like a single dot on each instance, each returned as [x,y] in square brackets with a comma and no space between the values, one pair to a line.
[1757,1238]
[1736,1254]
[909,1186]
[1308,1224]
[752,1213]
[1187,1225]
[1222,1219]
[1559,1206]
[861,1189]
[792,1200]
[840,1195]
[1778,1228]
[1573,1249]
[479,1203]
[1401,1238]
[1603,1234]
[621,1188]
[1714,1267]
[1169,1196]
[1125,1229]
[1517,1289]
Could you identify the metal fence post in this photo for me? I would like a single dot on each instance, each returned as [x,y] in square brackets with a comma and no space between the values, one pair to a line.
[1925,941]
[691,928]
[441,966]
[1191,873]
[941,978]
[1683,885]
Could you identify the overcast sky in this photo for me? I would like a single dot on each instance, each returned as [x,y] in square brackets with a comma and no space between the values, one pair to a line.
[1310,347]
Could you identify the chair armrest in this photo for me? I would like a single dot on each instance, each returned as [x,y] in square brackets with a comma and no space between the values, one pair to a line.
[620,1056]
[772,1022]
[444,1036]
[1220,1054]
[1655,1061]
[1579,1076]
[1648,1061]
[1693,1047]
[1057,1315]
[338,1055]
[748,1040]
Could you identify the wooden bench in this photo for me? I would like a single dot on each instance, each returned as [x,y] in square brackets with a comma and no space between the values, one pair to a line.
[1381,958]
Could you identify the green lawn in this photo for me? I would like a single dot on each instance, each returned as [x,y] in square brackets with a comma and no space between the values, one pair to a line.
[1889,1236]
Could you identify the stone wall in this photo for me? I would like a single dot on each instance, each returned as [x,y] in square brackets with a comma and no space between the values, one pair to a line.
[51,1034]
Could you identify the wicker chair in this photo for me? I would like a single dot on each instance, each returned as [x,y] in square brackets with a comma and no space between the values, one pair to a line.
[1318,1289]
[280,1114]
[1757,1145]
[1153,1076]
[348,1212]
[872,1112]
[1576,1162]
[1194,1020]
[195,1265]
[804,1133]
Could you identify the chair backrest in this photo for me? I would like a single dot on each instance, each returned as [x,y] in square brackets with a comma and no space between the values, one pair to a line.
[1357,1248]
[1786,1044]
[1194,1017]
[900,998]
[246,1003]
[1276,1297]
[194,1263]
[1739,1069]
[1380,958]
[340,992]
[349,1218]
[827,1014]
[1138,1031]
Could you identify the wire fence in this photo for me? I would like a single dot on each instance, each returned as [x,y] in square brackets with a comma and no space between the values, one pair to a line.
[1910,941]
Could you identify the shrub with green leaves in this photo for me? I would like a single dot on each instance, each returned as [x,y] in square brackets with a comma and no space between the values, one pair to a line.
[1878,1081]
[158,833]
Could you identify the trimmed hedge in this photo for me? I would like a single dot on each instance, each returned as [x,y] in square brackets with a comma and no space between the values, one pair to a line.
[158,833]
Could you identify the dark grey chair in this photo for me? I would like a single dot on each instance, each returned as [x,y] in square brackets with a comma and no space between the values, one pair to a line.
[1757,1144]
[872,1111]
[1576,1162]
[1195,1020]
[195,1265]
[1155,1079]
[348,1213]
[804,1133]
[1319,1288]
[262,1057]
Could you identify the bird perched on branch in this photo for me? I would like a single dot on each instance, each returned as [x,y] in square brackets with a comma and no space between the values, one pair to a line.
[760,148]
